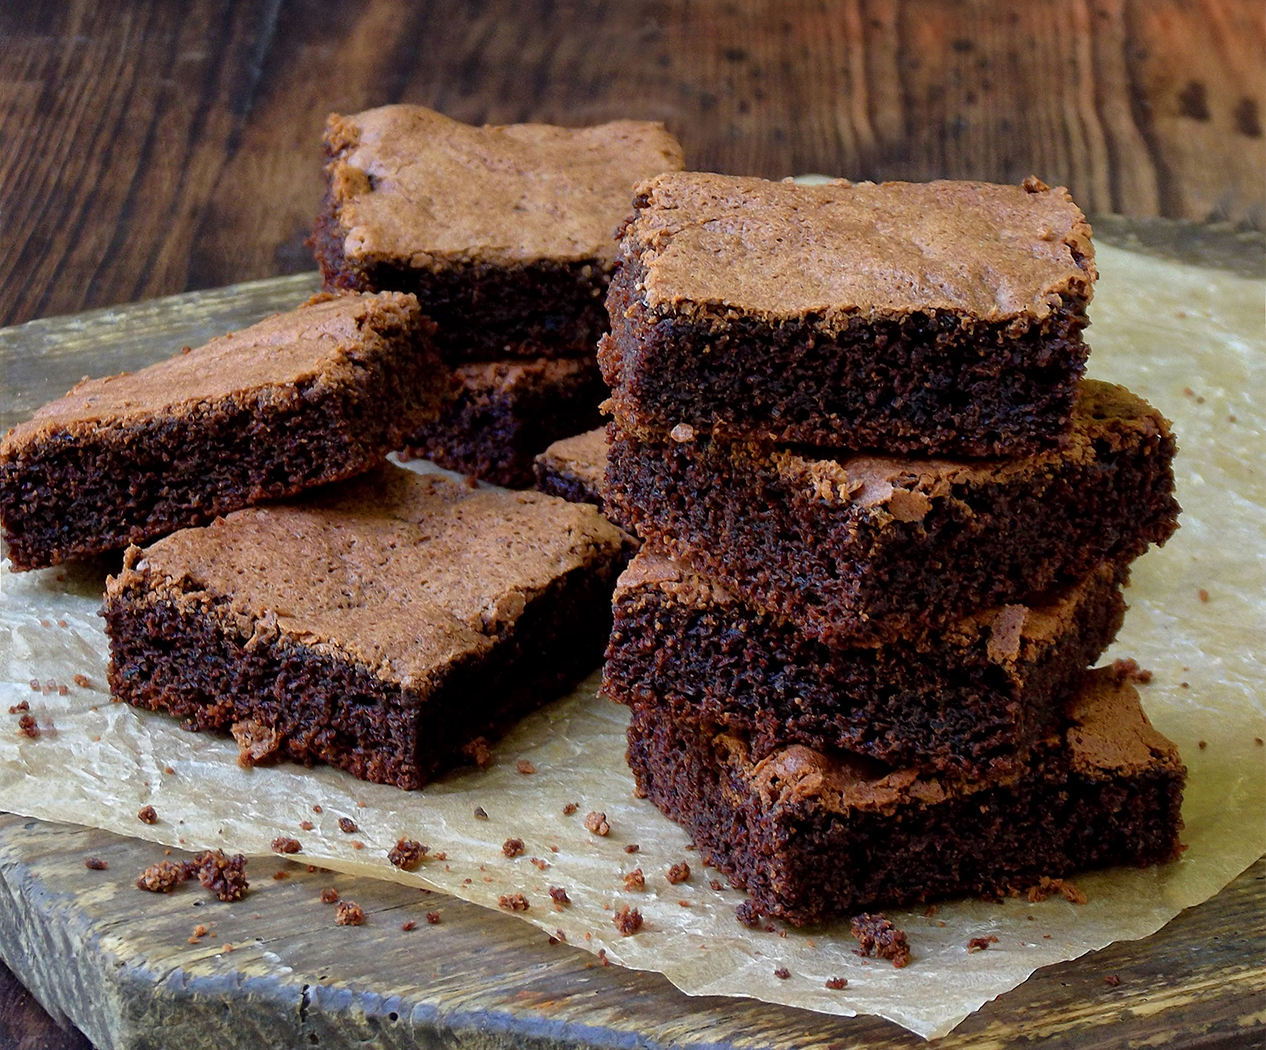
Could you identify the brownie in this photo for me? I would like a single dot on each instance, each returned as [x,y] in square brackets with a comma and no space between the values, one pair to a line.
[383,626]
[859,546]
[303,398]
[573,468]
[970,699]
[507,412]
[814,835]
[507,234]
[940,317]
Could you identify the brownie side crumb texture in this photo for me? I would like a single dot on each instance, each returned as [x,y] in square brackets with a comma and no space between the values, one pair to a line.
[871,548]
[508,411]
[300,399]
[943,317]
[971,698]
[420,614]
[501,267]
[812,836]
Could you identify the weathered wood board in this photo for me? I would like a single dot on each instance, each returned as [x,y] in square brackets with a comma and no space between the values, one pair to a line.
[118,963]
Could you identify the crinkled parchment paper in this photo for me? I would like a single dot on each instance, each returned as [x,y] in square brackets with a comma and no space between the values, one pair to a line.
[1190,340]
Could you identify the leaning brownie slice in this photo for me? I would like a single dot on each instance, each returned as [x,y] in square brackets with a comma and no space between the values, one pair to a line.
[867,547]
[970,699]
[943,317]
[506,234]
[384,626]
[814,836]
[300,399]
[507,412]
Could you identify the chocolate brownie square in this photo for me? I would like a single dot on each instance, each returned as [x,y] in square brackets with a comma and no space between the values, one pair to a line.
[303,398]
[382,626]
[814,836]
[971,699]
[870,547]
[573,468]
[940,317]
[508,411]
[506,234]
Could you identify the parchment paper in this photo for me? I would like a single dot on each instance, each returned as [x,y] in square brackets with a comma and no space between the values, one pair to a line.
[1161,328]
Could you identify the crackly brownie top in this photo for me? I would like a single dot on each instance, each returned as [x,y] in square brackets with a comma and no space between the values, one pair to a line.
[712,245]
[1109,735]
[413,187]
[905,488]
[324,341]
[1007,629]
[401,572]
[583,457]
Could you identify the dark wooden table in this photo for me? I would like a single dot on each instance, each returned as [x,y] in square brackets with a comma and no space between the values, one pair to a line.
[154,147]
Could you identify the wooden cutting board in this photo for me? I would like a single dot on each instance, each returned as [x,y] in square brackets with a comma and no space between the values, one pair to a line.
[118,963]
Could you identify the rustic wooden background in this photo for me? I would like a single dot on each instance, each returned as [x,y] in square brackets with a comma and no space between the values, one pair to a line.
[154,146]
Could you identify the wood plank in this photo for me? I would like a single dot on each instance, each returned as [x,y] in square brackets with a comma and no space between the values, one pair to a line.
[118,963]
[153,148]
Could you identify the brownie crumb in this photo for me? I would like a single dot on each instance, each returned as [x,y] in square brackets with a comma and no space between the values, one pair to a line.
[678,873]
[880,937]
[627,920]
[199,932]
[597,822]
[836,983]
[317,809]
[1259,741]
[513,902]
[169,771]
[782,973]
[356,844]
[715,884]
[1129,669]
[512,847]
[162,877]
[478,752]
[407,854]
[632,847]
[559,896]
[28,727]
[569,808]
[223,875]
[256,742]
[280,876]
[481,813]
[1048,887]
[635,880]
[21,705]
[329,895]
[525,767]
[349,913]
[1203,594]
[407,926]
[1202,744]
[539,864]
[1112,979]
[62,690]
[35,685]
[979,944]
[95,864]
[282,844]
[306,825]
[347,826]
[433,917]
[147,815]
[930,910]
[746,913]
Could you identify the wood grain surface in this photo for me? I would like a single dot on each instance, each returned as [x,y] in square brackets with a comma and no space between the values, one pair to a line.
[274,971]
[152,147]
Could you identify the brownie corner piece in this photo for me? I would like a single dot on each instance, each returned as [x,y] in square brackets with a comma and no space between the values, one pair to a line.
[381,626]
[813,836]
[505,233]
[302,398]
[573,468]
[941,318]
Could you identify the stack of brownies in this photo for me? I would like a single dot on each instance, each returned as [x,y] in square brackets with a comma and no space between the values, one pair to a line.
[886,525]
[506,235]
